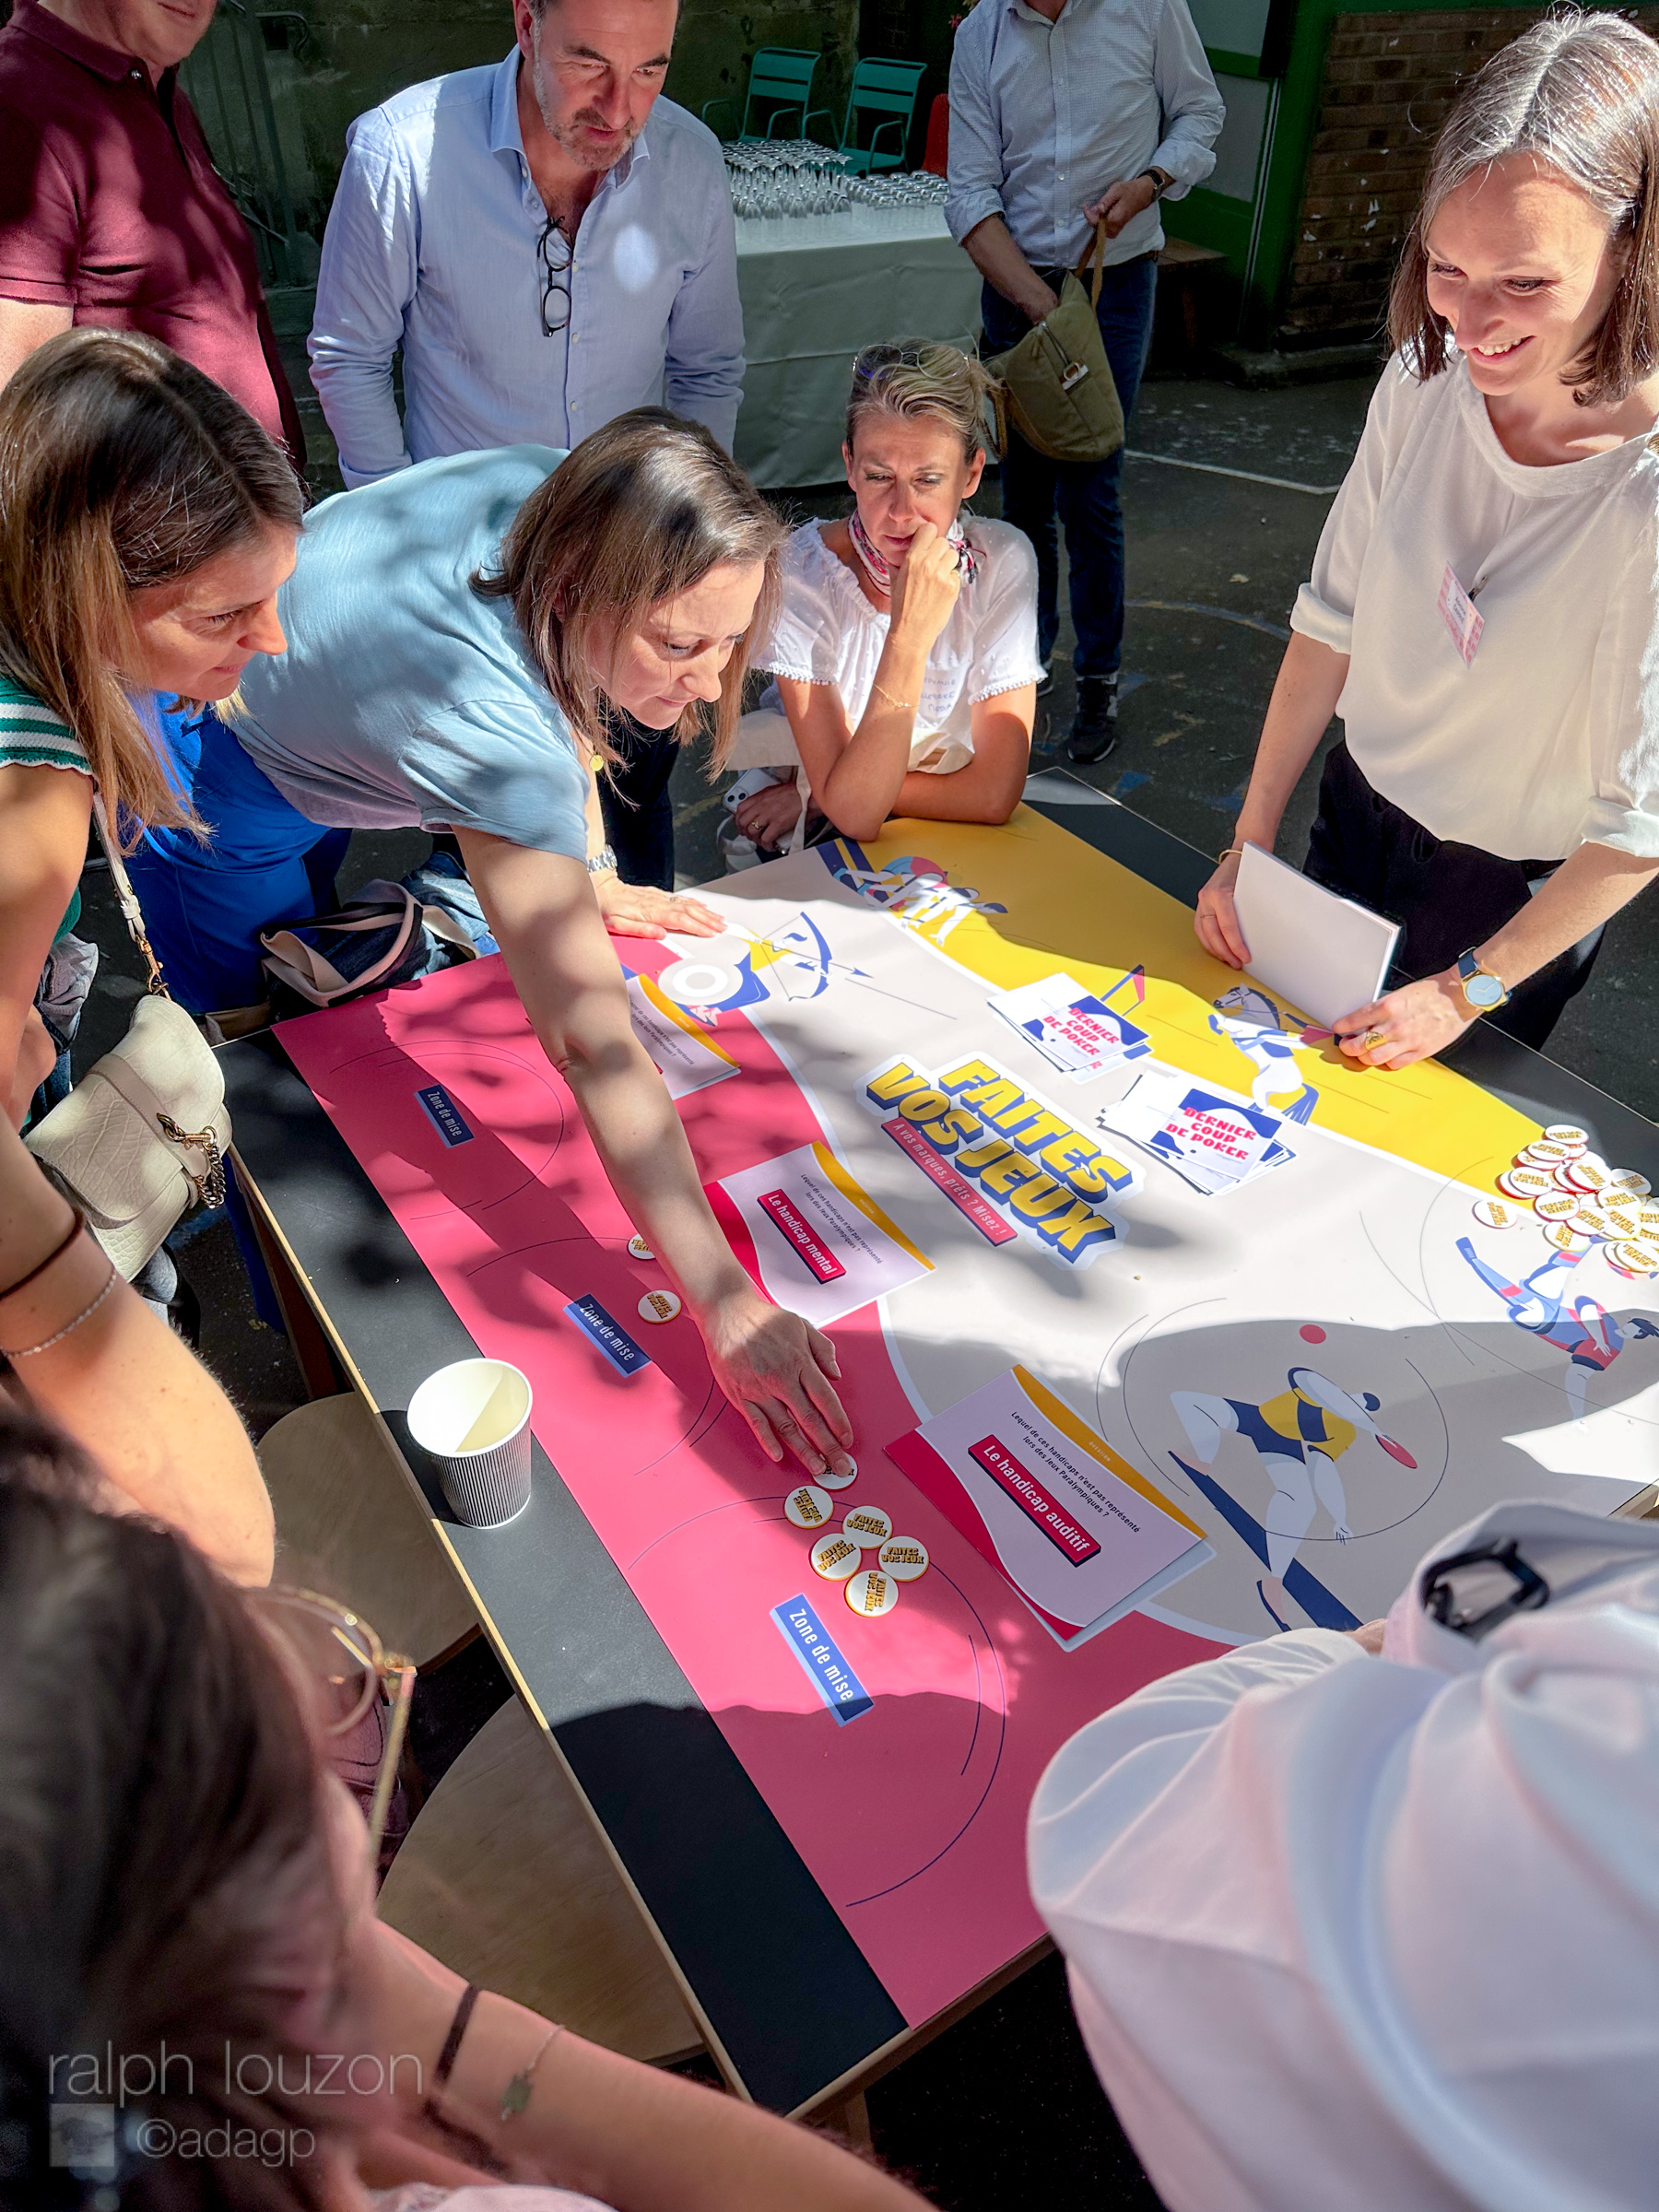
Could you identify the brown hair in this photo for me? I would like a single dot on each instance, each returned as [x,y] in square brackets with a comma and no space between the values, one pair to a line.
[639,511]
[121,466]
[921,377]
[1579,93]
[165,1871]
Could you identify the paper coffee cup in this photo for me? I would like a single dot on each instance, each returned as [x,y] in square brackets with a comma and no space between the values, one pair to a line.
[473,1422]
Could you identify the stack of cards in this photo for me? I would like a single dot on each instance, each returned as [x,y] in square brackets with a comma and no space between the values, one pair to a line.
[1069,1026]
[1215,1142]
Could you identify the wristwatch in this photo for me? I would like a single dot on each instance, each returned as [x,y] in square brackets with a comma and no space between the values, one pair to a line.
[1161,181]
[603,863]
[1482,988]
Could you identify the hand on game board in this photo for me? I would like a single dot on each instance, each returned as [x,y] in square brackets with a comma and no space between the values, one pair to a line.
[638,910]
[780,1373]
[1407,1025]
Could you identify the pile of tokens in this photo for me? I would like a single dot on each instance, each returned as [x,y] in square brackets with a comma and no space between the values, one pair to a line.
[1579,1199]
[838,1553]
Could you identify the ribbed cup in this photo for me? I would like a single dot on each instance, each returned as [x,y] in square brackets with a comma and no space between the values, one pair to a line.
[472,1419]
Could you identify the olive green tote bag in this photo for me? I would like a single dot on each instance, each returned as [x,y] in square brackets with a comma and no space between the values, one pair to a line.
[1055,386]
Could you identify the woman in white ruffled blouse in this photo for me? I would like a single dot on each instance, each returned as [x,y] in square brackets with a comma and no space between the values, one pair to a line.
[904,656]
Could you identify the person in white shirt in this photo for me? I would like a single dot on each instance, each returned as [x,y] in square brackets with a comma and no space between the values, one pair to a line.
[904,652]
[1063,113]
[1371,1920]
[1481,610]
[548,244]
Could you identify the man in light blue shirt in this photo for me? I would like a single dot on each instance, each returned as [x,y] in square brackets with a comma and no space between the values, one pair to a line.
[549,244]
[1064,113]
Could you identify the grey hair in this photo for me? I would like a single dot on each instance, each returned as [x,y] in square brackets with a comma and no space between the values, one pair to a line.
[1580,93]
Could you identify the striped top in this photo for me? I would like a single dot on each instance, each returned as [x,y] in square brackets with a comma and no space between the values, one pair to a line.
[31,735]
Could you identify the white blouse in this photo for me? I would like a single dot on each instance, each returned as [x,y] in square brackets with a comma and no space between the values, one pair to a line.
[826,632]
[1549,736]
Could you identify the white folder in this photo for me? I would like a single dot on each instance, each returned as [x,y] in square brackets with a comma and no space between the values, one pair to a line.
[1326,955]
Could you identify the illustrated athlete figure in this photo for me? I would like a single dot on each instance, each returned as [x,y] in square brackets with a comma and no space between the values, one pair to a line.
[1251,1020]
[919,892]
[1589,1336]
[1299,1437]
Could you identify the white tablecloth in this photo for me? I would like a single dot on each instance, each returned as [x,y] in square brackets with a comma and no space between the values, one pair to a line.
[815,288]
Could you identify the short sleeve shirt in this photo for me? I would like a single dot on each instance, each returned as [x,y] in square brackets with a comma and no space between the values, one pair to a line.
[33,735]
[407,698]
[110,206]
[826,632]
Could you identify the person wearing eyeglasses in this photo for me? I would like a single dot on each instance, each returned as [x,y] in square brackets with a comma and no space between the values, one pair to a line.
[904,653]
[188,1920]
[548,243]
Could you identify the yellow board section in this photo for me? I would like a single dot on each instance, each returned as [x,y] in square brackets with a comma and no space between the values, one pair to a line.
[682,1020]
[1081,912]
[1086,1439]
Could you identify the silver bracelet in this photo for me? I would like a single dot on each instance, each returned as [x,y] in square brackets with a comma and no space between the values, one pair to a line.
[69,1327]
[598,863]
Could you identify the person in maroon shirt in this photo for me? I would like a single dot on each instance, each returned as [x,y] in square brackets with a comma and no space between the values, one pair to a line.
[110,210]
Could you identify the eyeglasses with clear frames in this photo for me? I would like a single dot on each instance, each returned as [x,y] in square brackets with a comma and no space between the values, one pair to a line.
[342,1654]
[554,251]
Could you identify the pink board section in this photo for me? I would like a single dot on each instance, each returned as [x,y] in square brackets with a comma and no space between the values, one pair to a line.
[911,1816]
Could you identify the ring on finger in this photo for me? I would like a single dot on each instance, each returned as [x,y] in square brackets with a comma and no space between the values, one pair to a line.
[1372,1038]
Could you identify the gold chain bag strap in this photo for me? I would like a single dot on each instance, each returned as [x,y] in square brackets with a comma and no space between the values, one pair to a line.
[1055,386]
[141,1137]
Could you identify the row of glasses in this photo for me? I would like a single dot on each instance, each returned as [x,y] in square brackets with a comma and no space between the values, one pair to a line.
[898,188]
[786,176]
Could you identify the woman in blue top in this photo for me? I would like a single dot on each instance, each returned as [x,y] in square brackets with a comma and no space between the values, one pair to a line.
[456,631]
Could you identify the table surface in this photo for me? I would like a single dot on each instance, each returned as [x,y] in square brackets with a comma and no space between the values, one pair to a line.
[791,2010]
[849,226]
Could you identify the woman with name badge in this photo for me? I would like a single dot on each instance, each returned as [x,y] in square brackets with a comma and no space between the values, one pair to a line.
[905,649]
[1482,604]
[454,636]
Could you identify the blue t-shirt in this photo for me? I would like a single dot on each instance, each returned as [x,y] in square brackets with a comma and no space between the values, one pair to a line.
[405,699]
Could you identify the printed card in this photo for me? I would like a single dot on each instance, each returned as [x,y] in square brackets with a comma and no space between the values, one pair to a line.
[1078,1032]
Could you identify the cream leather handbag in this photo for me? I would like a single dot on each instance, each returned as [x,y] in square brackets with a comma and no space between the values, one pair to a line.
[141,1138]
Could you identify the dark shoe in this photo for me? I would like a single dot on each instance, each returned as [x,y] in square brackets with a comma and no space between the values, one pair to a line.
[1045,682]
[1094,727]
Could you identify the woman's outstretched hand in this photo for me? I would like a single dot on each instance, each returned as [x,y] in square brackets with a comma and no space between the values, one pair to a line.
[638,910]
[780,1372]
[925,586]
[1407,1025]
[1217,921]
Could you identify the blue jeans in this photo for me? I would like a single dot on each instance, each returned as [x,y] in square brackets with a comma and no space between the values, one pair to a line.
[1084,493]
[263,862]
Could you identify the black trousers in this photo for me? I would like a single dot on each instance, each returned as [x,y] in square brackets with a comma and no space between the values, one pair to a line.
[1448,898]
[634,802]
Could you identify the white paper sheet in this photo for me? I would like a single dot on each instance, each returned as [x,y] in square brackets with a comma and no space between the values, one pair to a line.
[1326,955]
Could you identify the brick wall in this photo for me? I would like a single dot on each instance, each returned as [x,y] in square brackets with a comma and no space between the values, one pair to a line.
[1389,82]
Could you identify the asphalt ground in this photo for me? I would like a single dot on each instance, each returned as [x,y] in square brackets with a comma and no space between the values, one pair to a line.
[1004,2108]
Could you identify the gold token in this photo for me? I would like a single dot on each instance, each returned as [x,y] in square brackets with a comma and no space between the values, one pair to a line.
[1624,1220]
[1557,1205]
[808,1507]
[1494,1214]
[1565,1237]
[658,1305]
[868,1524]
[1594,1221]
[639,1249]
[1565,1132]
[1648,1216]
[832,1481]
[835,1556]
[1524,1182]
[1586,1173]
[1628,1179]
[1563,1179]
[904,1558]
[871,1592]
[1544,1154]
[1637,1255]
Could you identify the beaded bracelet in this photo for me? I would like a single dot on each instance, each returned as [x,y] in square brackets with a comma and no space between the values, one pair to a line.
[69,1327]
[903,704]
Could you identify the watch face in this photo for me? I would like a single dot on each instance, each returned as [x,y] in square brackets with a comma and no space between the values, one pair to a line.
[1484,991]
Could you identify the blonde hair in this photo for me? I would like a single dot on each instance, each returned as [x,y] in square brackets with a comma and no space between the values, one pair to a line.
[920,377]
[1579,93]
[121,466]
[640,511]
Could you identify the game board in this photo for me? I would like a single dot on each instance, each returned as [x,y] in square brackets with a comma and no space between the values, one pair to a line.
[1252,1376]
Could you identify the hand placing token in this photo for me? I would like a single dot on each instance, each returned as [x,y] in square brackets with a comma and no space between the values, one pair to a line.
[868,1524]
[832,1481]
[871,1592]
[808,1507]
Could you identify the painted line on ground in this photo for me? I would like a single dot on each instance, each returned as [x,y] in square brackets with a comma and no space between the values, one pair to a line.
[1245,476]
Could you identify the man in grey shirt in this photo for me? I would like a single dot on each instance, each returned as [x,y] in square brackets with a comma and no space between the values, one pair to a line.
[1063,111]
[549,244]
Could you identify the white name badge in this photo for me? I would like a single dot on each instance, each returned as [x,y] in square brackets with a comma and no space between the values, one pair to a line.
[1459,614]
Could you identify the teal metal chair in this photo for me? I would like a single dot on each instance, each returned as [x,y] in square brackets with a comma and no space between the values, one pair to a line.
[780,78]
[884,88]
